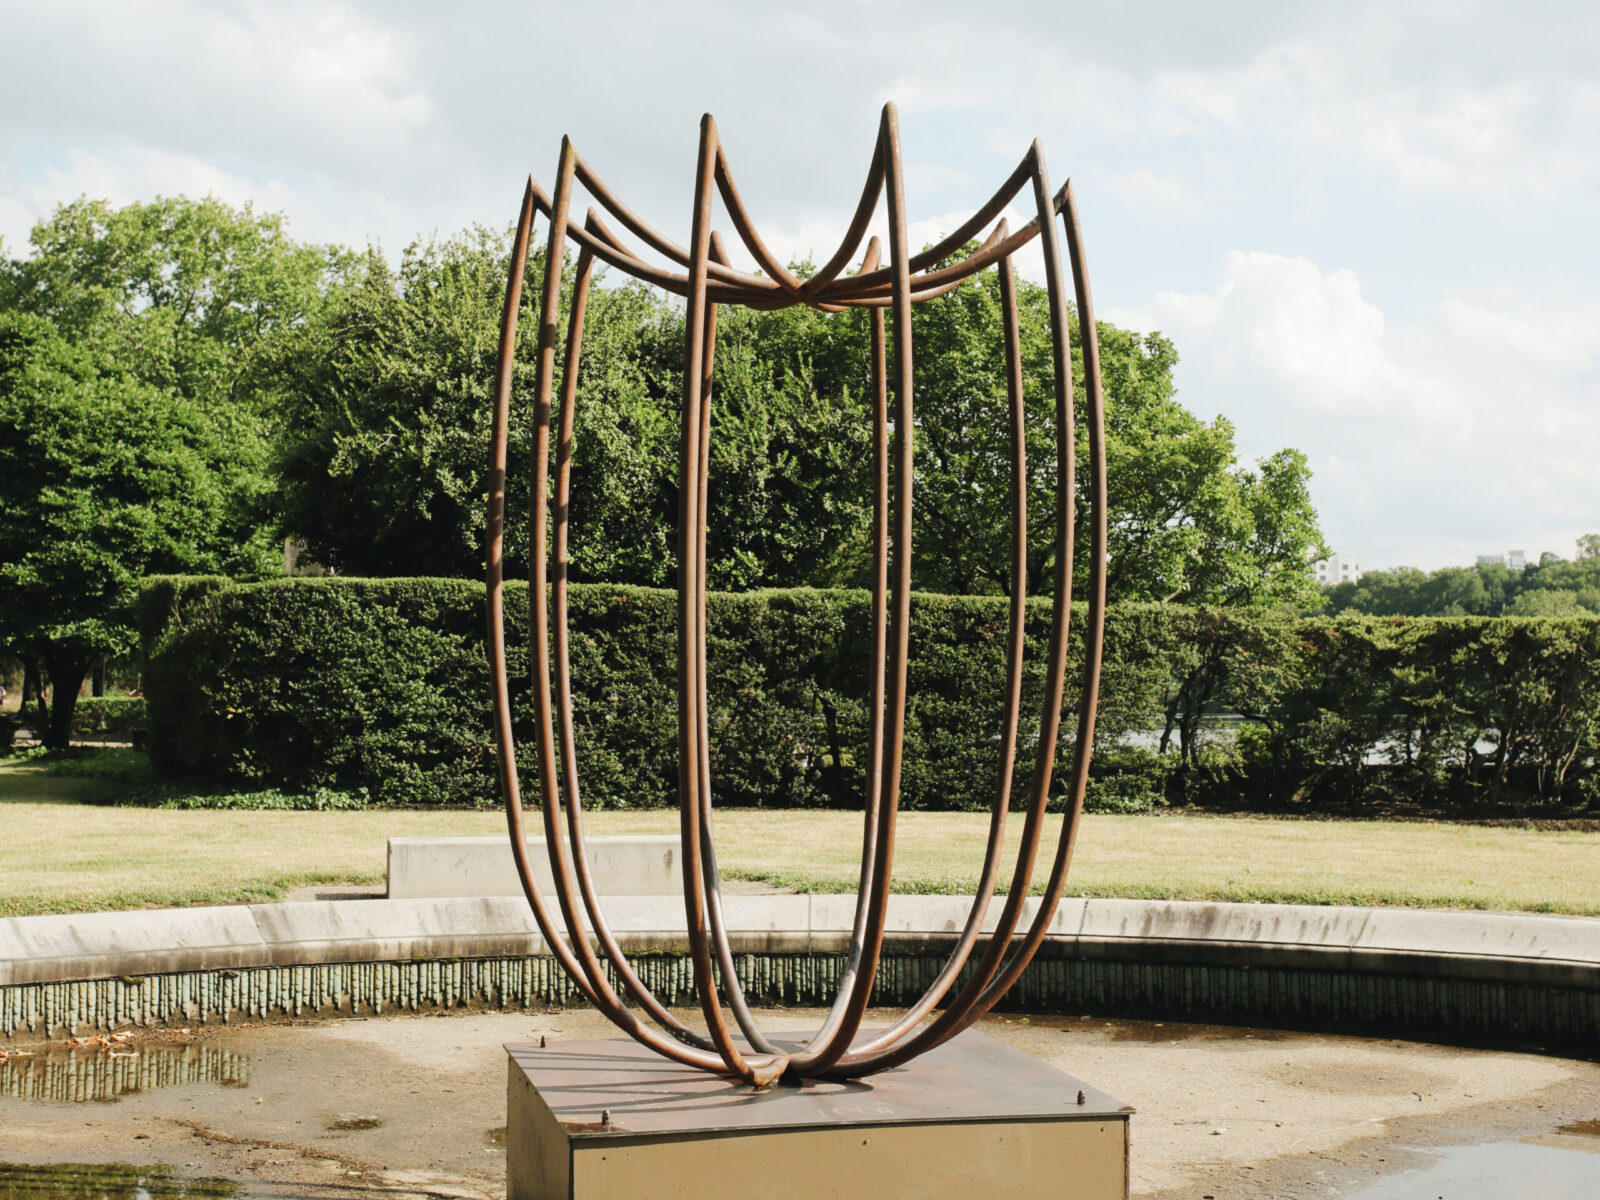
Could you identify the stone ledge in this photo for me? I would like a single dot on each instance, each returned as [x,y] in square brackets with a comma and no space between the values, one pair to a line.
[622,865]
[1487,947]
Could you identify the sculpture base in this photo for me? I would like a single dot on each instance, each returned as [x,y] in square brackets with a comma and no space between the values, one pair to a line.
[973,1118]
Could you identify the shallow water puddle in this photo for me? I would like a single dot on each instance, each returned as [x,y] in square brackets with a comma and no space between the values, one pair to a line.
[124,1181]
[110,1181]
[106,1073]
[1556,1166]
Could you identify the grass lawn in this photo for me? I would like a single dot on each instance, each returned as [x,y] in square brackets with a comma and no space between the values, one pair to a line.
[62,852]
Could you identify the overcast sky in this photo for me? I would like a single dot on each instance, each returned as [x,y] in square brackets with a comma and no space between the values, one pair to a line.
[1369,228]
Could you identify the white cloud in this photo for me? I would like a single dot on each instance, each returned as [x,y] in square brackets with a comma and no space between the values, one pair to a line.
[128,174]
[1480,417]
[1308,332]
[331,88]
[1424,176]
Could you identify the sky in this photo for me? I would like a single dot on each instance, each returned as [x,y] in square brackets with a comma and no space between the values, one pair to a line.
[1369,228]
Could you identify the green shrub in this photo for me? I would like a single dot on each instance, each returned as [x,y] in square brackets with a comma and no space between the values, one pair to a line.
[382,686]
[119,716]
[168,796]
[162,602]
[1128,779]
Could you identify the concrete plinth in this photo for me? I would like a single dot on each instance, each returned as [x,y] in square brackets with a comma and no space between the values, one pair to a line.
[627,865]
[974,1118]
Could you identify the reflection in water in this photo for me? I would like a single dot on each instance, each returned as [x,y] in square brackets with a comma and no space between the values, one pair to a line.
[123,1181]
[106,1074]
[1534,1170]
[108,1181]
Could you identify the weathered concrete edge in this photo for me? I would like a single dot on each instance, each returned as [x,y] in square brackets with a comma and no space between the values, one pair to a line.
[1486,947]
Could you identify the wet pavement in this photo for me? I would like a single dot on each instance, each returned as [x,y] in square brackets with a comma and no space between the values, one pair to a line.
[1554,1166]
[415,1106]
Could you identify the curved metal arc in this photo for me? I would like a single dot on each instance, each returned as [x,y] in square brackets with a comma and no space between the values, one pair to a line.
[691,620]
[853,290]
[951,242]
[820,1057]
[595,237]
[538,612]
[713,881]
[586,965]
[958,1015]
[857,229]
[494,588]
[740,216]
[765,259]
[631,982]
[1094,644]
[879,634]
[884,298]
[655,239]
[1012,708]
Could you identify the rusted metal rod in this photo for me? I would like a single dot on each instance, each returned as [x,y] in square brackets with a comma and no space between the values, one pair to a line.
[839,1049]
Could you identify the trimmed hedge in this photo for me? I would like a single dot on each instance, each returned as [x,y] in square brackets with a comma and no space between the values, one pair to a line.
[383,685]
[121,715]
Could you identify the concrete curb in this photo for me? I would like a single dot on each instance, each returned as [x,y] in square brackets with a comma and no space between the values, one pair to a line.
[421,868]
[1526,949]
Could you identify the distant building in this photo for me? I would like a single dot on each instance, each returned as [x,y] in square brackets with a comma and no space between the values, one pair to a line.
[1515,560]
[1337,568]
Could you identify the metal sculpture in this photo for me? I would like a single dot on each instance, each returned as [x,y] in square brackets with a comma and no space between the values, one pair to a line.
[838,1050]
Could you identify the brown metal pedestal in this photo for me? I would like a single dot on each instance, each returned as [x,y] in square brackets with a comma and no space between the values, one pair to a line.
[974,1118]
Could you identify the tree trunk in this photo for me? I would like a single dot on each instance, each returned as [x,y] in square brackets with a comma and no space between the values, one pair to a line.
[1169,724]
[98,687]
[67,669]
[34,680]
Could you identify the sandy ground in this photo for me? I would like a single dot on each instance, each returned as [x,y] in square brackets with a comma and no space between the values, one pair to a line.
[416,1104]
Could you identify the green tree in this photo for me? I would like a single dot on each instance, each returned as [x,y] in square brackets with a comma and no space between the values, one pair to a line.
[1186,524]
[186,295]
[385,421]
[1552,587]
[172,311]
[1545,602]
[107,479]
[387,432]
[386,435]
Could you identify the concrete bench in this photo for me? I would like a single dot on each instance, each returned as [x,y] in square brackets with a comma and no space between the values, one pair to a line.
[427,867]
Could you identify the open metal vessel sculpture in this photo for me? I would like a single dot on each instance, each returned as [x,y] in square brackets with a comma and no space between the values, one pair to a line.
[840,1048]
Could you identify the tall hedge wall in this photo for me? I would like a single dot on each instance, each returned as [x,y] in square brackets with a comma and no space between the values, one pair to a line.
[382,685]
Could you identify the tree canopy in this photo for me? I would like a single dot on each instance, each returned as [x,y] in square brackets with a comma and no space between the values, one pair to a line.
[135,414]
[382,462]
[1553,587]
[184,384]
